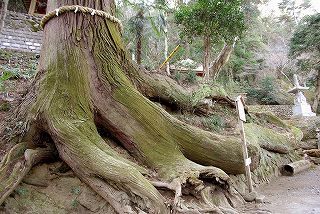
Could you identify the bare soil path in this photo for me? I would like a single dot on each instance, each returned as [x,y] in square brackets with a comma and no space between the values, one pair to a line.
[299,194]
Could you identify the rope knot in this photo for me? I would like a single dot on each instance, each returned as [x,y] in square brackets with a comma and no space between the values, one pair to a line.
[57,11]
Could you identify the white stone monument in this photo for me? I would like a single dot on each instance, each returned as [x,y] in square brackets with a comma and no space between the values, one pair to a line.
[301,107]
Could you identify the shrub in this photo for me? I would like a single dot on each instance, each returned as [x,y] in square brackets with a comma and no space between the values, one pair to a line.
[177,76]
[21,191]
[214,123]
[265,93]
[191,77]
[76,190]
[5,106]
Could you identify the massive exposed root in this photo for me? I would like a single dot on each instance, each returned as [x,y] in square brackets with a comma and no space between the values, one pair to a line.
[86,80]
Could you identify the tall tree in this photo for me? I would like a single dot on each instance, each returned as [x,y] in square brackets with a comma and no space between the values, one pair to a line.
[86,80]
[306,42]
[291,11]
[137,24]
[3,12]
[163,28]
[213,20]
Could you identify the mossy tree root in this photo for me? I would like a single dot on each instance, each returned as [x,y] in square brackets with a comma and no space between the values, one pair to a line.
[196,183]
[17,163]
[104,170]
[86,79]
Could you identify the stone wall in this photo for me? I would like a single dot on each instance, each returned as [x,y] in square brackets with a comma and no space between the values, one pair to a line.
[17,33]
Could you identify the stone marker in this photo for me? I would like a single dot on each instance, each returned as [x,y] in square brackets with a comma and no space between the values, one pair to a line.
[301,107]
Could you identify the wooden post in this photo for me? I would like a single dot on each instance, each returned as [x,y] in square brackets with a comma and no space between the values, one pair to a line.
[246,159]
[32,7]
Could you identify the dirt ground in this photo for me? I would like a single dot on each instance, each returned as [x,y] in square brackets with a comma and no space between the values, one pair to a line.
[298,194]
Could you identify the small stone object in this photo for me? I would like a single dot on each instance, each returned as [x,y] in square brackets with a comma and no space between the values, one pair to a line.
[301,107]
[251,196]
[260,199]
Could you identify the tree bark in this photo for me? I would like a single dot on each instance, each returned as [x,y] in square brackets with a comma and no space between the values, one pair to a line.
[317,94]
[85,80]
[166,43]
[221,59]
[166,54]
[3,12]
[206,57]
[109,6]
[139,50]
[139,29]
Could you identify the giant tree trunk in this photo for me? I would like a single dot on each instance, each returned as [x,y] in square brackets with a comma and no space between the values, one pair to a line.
[3,12]
[221,59]
[85,80]
[317,94]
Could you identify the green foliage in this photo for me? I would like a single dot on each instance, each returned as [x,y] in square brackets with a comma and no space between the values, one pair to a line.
[21,191]
[177,76]
[242,56]
[306,38]
[214,18]
[5,106]
[15,65]
[6,75]
[74,203]
[214,123]
[76,190]
[137,22]
[191,76]
[291,11]
[305,46]
[265,93]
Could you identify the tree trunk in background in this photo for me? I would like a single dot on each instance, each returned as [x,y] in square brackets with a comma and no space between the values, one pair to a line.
[3,12]
[317,94]
[166,54]
[166,44]
[221,59]
[206,57]
[140,17]
[139,50]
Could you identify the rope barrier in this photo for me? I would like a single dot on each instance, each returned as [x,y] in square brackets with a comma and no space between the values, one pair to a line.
[75,9]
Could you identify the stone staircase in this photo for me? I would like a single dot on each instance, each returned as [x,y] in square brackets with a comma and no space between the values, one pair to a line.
[17,35]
